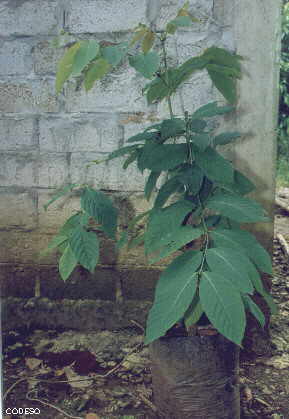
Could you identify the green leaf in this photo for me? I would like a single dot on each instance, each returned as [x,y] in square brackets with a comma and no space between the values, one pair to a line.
[215,167]
[254,309]
[244,241]
[87,51]
[225,84]
[171,128]
[197,125]
[224,70]
[223,306]
[162,221]
[143,136]
[181,21]
[236,207]
[226,138]
[170,187]
[173,240]
[99,206]
[194,312]
[211,109]
[202,141]
[122,151]
[146,64]
[131,158]
[67,263]
[122,240]
[158,88]
[171,28]
[60,193]
[172,298]
[70,224]
[140,32]
[223,57]
[241,185]
[148,41]
[56,241]
[64,68]
[113,54]
[185,71]
[95,72]
[136,241]
[159,157]
[232,265]
[151,184]
[270,302]
[85,246]
[191,176]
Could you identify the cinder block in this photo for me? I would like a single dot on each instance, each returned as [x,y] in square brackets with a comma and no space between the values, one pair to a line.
[22,17]
[25,247]
[28,96]
[46,57]
[92,133]
[57,213]
[18,210]
[109,175]
[120,91]
[104,15]
[17,134]
[202,9]
[18,169]
[52,170]
[15,57]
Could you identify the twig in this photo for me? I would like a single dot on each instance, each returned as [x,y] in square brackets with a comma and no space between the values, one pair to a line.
[51,405]
[13,386]
[282,205]
[284,244]
[147,402]
[121,362]
[262,402]
[138,325]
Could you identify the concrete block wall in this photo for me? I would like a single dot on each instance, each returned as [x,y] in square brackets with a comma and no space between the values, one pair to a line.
[47,141]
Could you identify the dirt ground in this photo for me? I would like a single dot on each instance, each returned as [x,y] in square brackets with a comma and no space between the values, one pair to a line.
[68,374]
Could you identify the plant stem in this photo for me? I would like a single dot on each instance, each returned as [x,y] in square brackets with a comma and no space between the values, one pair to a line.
[206,241]
[163,43]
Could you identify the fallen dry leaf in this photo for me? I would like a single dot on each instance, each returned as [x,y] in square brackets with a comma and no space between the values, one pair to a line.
[32,363]
[75,380]
[92,416]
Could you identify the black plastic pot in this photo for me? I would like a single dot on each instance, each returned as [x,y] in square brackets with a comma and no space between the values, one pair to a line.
[196,377]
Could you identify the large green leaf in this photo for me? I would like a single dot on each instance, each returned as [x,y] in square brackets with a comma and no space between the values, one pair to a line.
[148,41]
[226,138]
[202,141]
[70,224]
[232,265]
[162,221]
[173,240]
[84,55]
[185,71]
[215,166]
[143,136]
[160,157]
[67,263]
[172,298]
[64,68]
[95,72]
[241,184]
[223,57]
[181,21]
[99,206]
[171,128]
[194,312]
[236,207]
[113,54]
[170,187]
[85,246]
[191,176]
[223,306]
[146,64]
[160,87]
[245,242]
[151,184]
[254,309]
[211,109]
[225,84]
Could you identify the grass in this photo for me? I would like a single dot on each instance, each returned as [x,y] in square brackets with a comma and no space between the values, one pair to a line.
[282,172]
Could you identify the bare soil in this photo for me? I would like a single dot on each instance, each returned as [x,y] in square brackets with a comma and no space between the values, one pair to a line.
[68,374]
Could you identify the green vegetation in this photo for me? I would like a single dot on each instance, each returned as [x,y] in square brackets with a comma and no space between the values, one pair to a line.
[202,196]
[283,132]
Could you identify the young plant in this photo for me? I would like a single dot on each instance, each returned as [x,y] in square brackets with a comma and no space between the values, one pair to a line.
[202,198]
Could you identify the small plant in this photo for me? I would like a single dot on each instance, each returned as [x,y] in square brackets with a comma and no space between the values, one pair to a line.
[202,197]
